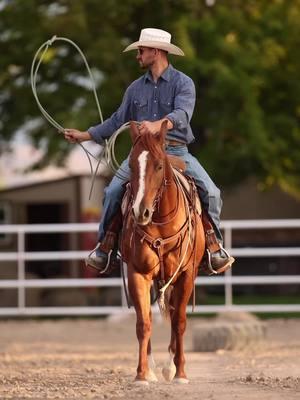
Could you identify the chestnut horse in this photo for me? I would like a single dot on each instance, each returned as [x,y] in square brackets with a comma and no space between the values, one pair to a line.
[162,242]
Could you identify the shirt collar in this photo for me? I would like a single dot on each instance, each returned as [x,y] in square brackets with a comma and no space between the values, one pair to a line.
[166,75]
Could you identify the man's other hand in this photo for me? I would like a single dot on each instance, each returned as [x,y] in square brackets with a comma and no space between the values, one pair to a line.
[76,136]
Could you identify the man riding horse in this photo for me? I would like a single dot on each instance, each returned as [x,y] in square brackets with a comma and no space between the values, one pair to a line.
[161,94]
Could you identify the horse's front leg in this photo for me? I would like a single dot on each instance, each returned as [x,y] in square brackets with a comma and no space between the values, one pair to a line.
[151,377]
[139,289]
[181,295]
[169,369]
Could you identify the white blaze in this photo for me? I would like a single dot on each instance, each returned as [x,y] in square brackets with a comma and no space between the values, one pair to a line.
[140,194]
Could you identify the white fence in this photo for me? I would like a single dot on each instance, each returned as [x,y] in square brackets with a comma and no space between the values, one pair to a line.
[21,256]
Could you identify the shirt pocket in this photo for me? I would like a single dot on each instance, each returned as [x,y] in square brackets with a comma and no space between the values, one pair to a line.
[140,109]
[165,106]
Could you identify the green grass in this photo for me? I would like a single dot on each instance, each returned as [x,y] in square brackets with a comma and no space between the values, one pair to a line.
[266,299]
[252,299]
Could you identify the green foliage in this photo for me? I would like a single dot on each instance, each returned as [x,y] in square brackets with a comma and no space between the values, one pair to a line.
[242,54]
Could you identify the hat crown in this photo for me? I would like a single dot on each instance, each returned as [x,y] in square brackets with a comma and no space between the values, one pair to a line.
[157,39]
[157,35]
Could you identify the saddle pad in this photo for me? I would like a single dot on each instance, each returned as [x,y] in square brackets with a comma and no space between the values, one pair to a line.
[125,200]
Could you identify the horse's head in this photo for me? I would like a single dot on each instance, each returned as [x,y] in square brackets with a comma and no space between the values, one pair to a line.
[147,164]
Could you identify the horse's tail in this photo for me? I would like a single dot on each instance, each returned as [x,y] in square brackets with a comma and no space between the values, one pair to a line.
[163,302]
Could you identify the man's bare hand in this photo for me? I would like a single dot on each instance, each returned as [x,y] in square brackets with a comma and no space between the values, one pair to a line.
[76,136]
[149,127]
[153,127]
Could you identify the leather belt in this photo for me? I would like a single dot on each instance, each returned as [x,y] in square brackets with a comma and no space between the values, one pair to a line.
[174,143]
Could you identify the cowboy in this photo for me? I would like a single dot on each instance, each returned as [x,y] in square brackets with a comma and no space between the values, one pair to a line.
[161,94]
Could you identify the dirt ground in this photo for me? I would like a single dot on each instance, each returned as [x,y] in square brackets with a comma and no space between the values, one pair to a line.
[96,359]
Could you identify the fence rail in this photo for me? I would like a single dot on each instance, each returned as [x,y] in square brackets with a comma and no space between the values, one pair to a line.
[227,280]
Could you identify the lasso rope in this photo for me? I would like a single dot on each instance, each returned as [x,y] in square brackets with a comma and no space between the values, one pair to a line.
[108,151]
[37,60]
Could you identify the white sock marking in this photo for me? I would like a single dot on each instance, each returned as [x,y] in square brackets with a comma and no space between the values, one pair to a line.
[140,194]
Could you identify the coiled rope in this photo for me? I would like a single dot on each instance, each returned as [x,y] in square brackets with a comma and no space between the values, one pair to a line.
[108,150]
[37,60]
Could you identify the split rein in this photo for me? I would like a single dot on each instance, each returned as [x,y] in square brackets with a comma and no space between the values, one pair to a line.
[158,243]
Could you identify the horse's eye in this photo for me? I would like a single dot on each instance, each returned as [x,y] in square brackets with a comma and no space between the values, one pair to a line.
[159,167]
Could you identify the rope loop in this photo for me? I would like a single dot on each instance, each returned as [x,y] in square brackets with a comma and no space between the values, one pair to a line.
[108,151]
[51,41]
[37,60]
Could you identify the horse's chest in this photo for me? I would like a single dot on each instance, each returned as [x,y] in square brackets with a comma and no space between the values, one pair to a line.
[137,251]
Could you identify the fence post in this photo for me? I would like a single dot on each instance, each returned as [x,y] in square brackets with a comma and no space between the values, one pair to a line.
[228,273]
[21,271]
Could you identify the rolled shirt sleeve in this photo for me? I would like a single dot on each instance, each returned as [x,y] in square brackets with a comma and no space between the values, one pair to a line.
[183,105]
[103,131]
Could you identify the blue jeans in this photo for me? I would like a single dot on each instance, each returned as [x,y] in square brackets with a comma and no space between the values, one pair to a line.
[208,192]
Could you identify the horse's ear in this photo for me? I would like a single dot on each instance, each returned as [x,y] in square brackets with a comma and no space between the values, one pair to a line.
[134,132]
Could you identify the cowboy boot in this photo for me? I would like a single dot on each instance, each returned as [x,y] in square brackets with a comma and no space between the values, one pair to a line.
[217,260]
[103,257]
[103,262]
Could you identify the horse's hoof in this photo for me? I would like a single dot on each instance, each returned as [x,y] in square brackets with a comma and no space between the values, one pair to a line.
[151,377]
[139,382]
[180,381]
[169,372]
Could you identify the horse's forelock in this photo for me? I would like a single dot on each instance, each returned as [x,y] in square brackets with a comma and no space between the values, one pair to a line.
[150,143]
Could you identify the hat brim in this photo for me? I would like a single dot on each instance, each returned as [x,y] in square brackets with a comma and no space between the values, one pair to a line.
[169,47]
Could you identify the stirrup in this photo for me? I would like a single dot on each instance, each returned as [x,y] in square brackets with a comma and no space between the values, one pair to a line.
[209,266]
[108,259]
[225,251]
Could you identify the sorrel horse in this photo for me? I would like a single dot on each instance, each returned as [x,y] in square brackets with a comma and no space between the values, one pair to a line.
[163,243]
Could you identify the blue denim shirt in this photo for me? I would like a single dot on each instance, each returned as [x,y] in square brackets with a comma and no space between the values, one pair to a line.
[172,96]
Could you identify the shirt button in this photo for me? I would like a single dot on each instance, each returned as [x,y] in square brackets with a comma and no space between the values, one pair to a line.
[155,101]
[154,115]
[155,87]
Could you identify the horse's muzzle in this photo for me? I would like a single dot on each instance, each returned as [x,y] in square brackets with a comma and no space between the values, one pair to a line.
[143,216]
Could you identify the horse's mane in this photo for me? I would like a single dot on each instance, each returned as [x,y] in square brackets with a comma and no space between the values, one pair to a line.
[150,143]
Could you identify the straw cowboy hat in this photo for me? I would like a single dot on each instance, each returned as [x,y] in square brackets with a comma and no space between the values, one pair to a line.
[157,39]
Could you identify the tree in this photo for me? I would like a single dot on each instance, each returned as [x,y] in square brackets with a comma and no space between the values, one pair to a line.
[242,54]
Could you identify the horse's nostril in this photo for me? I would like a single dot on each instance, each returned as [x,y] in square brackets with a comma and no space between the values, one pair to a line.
[146,213]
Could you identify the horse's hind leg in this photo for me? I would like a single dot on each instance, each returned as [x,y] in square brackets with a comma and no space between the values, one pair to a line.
[139,288]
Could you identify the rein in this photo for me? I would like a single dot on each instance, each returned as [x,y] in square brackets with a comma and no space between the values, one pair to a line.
[157,203]
[157,244]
